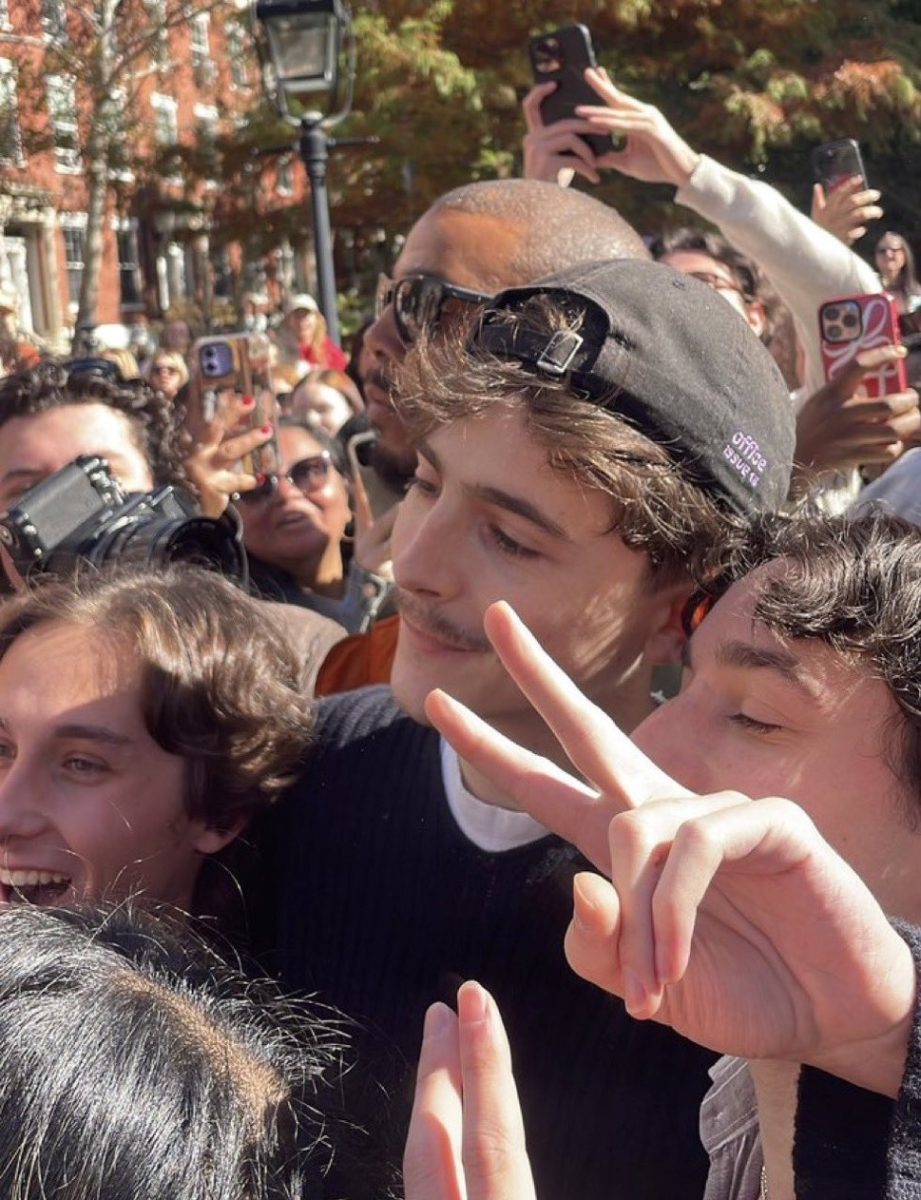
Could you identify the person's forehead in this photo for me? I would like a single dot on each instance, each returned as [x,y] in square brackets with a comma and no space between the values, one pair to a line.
[323,393]
[473,250]
[296,443]
[696,260]
[77,422]
[88,665]
[732,626]
[497,453]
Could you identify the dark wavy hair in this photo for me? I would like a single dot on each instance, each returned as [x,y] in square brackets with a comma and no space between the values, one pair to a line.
[656,507]
[135,1063]
[220,687]
[854,583]
[53,384]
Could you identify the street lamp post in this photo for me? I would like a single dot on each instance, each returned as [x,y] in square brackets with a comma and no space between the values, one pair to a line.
[303,42]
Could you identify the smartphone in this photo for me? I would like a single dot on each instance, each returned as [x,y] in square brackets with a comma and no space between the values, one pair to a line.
[851,324]
[381,497]
[836,162]
[224,370]
[562,57]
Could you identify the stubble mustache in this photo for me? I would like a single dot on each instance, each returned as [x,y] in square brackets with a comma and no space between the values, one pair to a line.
[431,621]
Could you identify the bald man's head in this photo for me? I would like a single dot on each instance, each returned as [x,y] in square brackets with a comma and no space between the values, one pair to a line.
[557,227]
[481,238]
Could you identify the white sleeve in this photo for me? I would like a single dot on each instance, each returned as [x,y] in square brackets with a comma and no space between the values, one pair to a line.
[805,263]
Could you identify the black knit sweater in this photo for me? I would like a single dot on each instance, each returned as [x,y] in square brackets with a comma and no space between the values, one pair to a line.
[382,905]
[852,1144]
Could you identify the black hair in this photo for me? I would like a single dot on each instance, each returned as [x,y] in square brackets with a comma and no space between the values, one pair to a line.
[854,583]
[51,385]
[135,1065]
[333,445]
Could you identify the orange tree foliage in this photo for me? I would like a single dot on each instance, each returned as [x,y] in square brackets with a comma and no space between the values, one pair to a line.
[756,83]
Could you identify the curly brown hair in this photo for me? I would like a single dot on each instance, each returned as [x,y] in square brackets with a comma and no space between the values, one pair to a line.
[655,506]
[220,687]
[54,383]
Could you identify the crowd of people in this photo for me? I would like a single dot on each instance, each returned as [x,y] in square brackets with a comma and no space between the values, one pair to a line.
[595,871]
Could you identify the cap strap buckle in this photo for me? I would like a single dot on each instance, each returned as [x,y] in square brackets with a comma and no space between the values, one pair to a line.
[556,357]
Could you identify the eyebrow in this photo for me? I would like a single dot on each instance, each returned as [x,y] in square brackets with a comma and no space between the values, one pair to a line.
[88,733]
[112,457]
[94,733]
[502,499]
[749,657]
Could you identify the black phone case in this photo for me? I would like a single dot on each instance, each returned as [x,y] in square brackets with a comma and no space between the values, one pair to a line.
[834,162]
[576,53]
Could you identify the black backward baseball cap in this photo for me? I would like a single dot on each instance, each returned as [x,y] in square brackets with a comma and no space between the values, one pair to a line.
[671,357]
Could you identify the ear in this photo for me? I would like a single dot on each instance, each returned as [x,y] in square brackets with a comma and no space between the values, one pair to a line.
[208,839]
[756,316]
[666,642]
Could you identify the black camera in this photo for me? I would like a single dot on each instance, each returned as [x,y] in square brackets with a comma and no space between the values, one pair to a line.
[81,514]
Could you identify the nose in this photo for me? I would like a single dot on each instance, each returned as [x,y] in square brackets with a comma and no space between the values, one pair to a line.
[427,544]
[383,341]
[673,739]
[21,813]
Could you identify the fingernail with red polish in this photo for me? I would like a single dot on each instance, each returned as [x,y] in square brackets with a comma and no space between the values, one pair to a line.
[266,429]
[248,401]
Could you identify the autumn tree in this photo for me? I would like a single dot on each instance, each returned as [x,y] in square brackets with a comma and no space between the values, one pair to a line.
[756,83]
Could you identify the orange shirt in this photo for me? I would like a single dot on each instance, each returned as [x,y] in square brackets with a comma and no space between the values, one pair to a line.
[360,659]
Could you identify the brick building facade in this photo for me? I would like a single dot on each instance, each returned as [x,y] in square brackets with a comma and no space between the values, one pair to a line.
[162,252]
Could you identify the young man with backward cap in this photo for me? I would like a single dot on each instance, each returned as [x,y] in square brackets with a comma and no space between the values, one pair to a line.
[585,453]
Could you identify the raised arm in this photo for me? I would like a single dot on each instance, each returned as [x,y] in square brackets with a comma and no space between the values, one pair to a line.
[806,264]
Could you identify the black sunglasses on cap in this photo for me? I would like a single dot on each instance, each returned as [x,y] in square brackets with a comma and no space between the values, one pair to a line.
[418,301]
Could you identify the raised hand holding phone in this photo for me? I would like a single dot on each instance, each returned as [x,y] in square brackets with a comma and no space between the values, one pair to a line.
[729,919]
[847,209]
[652,151]
[229,420]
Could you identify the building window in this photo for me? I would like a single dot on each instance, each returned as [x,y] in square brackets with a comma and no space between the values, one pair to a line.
[62,109]
[73,227]
[54,20]
[10,134]
[202,66]
[159,33]
[166,119]
[284,177]
[207,117]
[236,52]
[129,263]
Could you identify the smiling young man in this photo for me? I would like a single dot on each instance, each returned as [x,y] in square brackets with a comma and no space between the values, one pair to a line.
[584,453]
